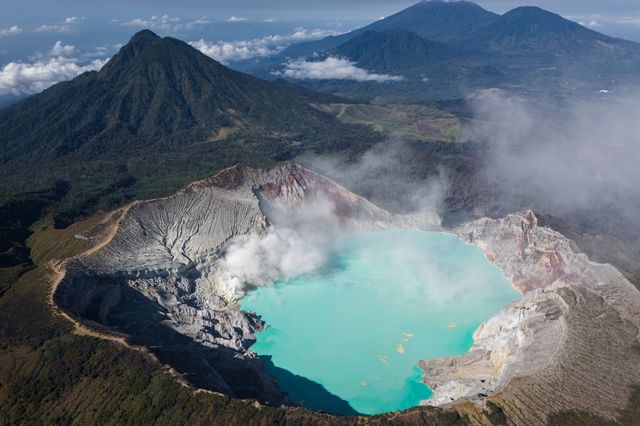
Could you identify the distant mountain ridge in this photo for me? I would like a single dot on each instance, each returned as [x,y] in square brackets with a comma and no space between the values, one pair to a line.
[460,47]
[532,30]
[391,50]
[443,21]
[467,24]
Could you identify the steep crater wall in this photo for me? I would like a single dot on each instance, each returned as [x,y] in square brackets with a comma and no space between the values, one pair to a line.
[570,344]
[157,280]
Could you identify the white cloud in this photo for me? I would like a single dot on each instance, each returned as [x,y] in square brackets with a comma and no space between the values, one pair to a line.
[26,78]
[302,34]
[45,28]
[630,20]
[164,22]
[271,20]
[60,49]
[598,21]
[13,30]
[333,68]
[237,19]
[229,51]
[590,24]
[60,27]
[226,52]
[200,22]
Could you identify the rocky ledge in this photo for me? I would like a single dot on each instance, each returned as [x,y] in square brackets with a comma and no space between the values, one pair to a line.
[570,344]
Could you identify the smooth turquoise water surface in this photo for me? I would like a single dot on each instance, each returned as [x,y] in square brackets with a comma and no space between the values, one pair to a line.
[348,338]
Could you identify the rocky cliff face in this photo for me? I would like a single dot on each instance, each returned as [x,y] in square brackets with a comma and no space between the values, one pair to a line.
[568,344]
[158,278]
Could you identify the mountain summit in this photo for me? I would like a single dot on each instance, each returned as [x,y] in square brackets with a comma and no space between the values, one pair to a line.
[534,31]
[160,98]
[438,20]
[391,50]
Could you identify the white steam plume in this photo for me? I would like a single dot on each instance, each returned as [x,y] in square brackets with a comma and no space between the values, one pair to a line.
[578,158]
[384,175]
[299,242]
[303,237]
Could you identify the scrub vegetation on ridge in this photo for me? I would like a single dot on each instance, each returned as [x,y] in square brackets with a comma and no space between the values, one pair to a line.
[408,122]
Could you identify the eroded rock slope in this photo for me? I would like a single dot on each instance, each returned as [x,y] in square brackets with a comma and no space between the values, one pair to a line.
[570,344]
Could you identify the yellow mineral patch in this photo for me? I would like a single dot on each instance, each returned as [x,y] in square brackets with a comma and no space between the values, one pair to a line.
[452,325]
[363,383]
[407,335]
[400,349]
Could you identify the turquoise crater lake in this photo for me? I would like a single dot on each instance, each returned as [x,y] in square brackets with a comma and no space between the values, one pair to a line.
[347,339]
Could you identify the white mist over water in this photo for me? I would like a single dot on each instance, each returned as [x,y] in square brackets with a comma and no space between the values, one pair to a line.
[359,326]
[302,236]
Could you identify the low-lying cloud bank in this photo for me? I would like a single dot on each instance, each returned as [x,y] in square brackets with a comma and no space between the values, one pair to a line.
[332,68]
[165,23]
[26,78]
[382,175]
[13,30]
[238,50]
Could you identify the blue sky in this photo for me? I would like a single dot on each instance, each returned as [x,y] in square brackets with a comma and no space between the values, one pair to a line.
[42,42]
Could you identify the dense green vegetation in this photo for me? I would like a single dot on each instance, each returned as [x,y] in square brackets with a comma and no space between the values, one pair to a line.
[408,122]
[159,115]
[17,215]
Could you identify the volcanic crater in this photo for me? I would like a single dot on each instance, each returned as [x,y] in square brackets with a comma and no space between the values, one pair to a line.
[154,281]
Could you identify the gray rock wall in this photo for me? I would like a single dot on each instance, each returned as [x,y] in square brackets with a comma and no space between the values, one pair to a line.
[568,344]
